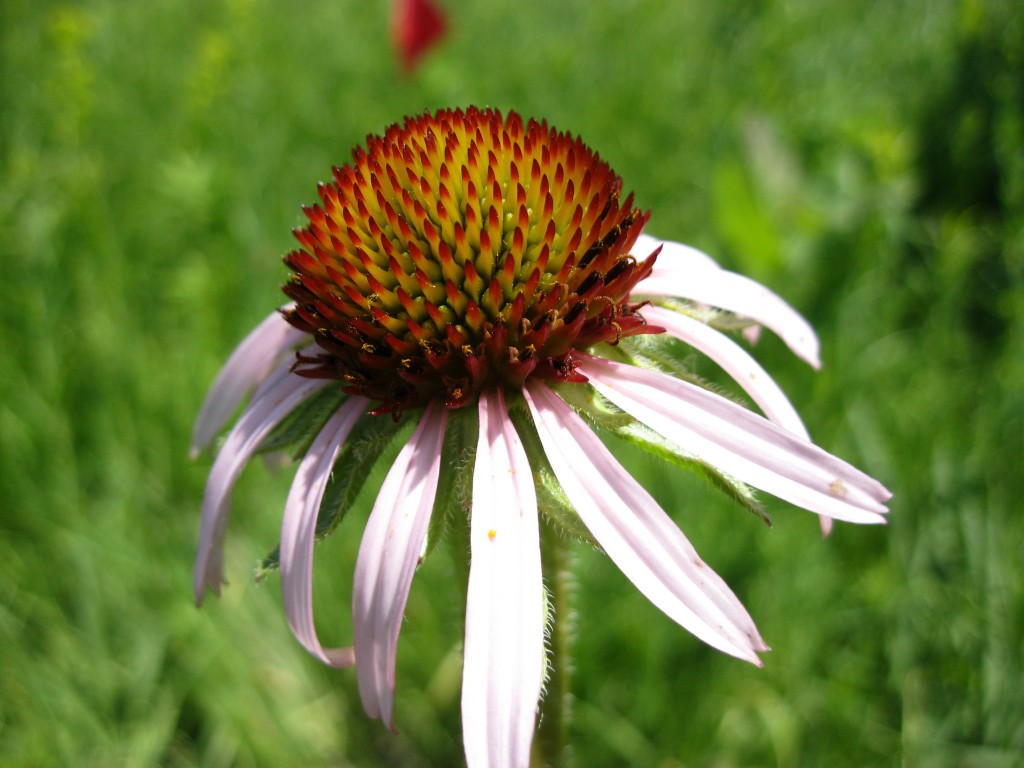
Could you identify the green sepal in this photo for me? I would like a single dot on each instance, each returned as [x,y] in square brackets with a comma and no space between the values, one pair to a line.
[455,482]
[717,318]
[551,499]
[301,426]
[366,456]
[660,352]
[597,409]
[642,436]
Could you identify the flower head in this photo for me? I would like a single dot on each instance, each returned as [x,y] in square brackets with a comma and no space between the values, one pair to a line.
[481,281]
[461,252]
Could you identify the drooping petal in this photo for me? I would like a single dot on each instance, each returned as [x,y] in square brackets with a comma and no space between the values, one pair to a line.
[679,255]
[256,422]
[298,530]
[740,443]
[738,364]
[248,365]
[680,272]
[637,534]
[504,652]
[388,556]
[735,361]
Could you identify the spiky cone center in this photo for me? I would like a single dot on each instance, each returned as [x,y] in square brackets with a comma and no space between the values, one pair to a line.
[463,250]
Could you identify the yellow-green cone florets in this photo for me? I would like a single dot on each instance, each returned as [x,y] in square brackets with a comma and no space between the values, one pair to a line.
[459,251]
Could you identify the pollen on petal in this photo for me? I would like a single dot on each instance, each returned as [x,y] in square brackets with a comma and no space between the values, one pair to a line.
[838,489]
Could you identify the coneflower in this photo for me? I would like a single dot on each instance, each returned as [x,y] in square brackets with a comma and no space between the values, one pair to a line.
[479,288]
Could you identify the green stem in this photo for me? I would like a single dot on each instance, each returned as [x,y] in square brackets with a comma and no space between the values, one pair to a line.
[551,745]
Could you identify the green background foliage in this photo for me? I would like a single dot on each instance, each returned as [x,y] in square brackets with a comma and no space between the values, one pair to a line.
[863,159]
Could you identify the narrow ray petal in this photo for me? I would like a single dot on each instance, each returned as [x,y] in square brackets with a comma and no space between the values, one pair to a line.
[298,530]
[678,255]
[248,365]
[504,653]
[691,278]
[637,534]
[735,361]
[388,556]
[256,422]
[740,443]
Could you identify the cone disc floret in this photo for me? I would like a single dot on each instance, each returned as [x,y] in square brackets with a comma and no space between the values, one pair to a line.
[463,250]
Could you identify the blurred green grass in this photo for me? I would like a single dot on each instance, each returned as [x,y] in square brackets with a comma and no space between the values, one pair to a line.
[864,159]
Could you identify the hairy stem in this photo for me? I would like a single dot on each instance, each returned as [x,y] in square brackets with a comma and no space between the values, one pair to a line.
[551,747]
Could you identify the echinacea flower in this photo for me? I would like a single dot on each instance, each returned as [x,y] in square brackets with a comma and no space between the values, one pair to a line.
[477,287]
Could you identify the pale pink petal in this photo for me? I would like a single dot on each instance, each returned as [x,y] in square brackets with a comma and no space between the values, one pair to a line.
[504,652]
[681,273]
[298,530]
[680,256]
[825,522]
[739,442]
[388,556]
[637,534]
[247,366]
[735,361]
[255,423]
[741,366]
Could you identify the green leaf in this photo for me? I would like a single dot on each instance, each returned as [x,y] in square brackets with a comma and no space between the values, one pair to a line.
[300,427]
[659,353]
[364,458]
[586,400]
[719,319]
[455,483]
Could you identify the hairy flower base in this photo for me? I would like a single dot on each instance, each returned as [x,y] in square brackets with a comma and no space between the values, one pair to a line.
[474,276]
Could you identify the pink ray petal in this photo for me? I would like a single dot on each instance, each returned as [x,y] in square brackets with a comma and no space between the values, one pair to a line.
[255,423]
[247,366]
[388,556]
[735,361]
[740,443]
[298,530]
[678,255]
[505,615]
[681,273]
[637,534]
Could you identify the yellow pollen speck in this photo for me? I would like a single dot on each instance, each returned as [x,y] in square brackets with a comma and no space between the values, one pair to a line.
[491,534]
[838,489]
